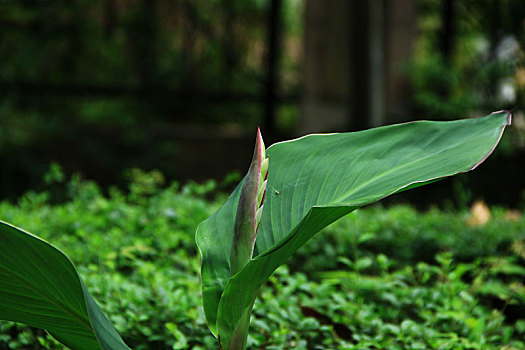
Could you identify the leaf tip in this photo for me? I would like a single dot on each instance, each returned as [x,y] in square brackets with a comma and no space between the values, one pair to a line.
[508,120]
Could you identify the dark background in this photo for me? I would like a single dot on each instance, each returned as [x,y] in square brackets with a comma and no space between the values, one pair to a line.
[102,86]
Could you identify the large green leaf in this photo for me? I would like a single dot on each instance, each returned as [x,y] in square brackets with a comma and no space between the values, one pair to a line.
[317,179]
[40,287]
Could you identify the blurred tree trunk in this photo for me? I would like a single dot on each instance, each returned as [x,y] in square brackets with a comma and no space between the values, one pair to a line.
[401,34]
[148,62]
[368,48]
[273,45]
[109,18]
[326,88]
[229,43]
[74,34]
[353,61]
[448,30]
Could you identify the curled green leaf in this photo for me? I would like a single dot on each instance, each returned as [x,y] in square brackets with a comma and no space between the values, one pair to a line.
[317,179]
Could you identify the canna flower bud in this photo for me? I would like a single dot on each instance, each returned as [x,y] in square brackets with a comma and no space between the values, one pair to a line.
[249,208]
[261,192]
[264,170]
[258,215]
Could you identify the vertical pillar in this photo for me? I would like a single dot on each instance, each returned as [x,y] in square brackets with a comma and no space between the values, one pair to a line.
[400,36]
[326,84]
[272,64]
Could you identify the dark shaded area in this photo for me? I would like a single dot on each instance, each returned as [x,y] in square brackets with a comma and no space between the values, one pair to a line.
[181,86]
[175,85]
[340,329]
[499,181]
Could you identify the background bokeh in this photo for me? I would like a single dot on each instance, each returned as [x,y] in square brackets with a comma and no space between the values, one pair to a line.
[103,86]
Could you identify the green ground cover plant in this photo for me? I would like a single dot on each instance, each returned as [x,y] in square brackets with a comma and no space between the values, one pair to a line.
[42,288]
[127,245]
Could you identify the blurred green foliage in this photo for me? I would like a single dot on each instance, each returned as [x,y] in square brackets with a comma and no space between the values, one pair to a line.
[93,84]
[215,46]
[100,85]
[473,66]
[385,278]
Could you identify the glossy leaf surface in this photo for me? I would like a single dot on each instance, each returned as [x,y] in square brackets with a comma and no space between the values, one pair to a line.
[317,179]
[40,287]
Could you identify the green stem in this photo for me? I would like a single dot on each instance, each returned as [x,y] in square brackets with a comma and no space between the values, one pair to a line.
[249,211]
[240,336]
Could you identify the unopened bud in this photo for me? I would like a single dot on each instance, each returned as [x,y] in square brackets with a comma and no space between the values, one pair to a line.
[259,214]
[260,194]
[248,209]
[264,170]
